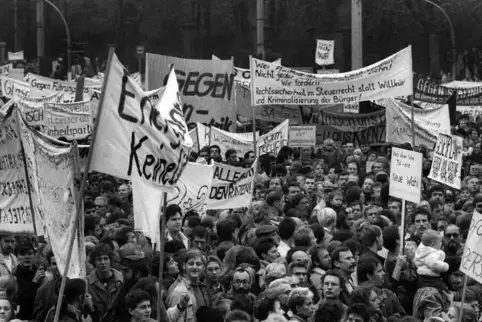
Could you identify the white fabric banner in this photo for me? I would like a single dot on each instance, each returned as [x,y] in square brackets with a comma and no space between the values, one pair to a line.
[428,123]
[470,264]
[136,138]
[54,186]
[15,56]
[72,121]
[325,50]
[232,187]
[447,160]
[406,175]
[203,134]
[225,142]
[206,88]
[32,108]
[192,189]
[10,87]
[147,200]
[302,136]
[272,84]
[4,69]
[15,210]
[44,86]
[274,140]
[195,140]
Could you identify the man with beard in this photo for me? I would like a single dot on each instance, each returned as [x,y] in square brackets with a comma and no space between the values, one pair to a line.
[240,285]
[343,260]
[452,241]
[8,261]
[29,279]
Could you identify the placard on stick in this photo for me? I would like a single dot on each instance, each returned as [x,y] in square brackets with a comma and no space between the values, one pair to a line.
[472,257]
[302,136]
[447,160]
[406,175]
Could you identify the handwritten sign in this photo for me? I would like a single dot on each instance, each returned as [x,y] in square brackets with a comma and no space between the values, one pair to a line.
[72,121]
[447,160]
[4,69]
[136,138]
[274,140]
[302,136]
[15,56]
[226,141]
[206,88]
[10,87]
[406,175]
[472,258]
[325,50]
[351,108]
[272,84]
[32,108]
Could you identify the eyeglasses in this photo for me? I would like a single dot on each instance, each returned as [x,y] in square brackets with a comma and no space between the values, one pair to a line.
[453,235]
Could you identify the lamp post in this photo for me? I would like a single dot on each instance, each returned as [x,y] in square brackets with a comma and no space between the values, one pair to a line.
[67,31]
[452,34]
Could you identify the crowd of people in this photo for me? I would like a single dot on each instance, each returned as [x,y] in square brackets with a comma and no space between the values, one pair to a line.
[320,241]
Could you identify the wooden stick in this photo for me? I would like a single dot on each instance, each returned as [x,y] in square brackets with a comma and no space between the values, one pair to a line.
[81,190]
[27,179]
[464,290]
[162,229]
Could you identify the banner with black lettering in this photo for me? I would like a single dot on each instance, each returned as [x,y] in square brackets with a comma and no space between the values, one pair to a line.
[226,141]
[274,140]
[447,160]
[427,91]
[15,211]
[136,138]
[428,123]
[345,127]
[325,50]
[232,187]
[52,170]
[72,121]
[206,87]
[10,87]
[32,108]
[4,69]
[470,264]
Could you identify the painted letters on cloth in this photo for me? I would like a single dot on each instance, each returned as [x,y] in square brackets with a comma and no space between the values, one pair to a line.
[72,121]
[447,160]
[44,86]
[274,140]
[206,88]
[225,142]
[55,171]
[406,175]
[470,264]
[15,210]
[273,84]
[270,113]
[10,87]
[232,187]
[32,108]
[428,123]
[302,136]
[136,138]
[195,140]
[325,50]
[4,69]
[192,189]
[429,92]
[344,127]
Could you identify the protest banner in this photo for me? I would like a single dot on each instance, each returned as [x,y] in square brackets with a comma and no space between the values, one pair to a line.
[342,127]
[15,56]
[44,86]
[405,175]
[328,71]
[53,185]
[10,87]
[472,257]
[428,123]
[247,136]
[302,136]
[447,160]
[192,189]
[232,187]
[473,88]
[274,140]
[203,134]
[426,91]
[351,108]
[270,113]
[32,108]
[136,138]
[325,50]
[195,140]
[206,88]
[72,121]
[273,84]
[147,199]
[15,209]
[225,142]
[4,69]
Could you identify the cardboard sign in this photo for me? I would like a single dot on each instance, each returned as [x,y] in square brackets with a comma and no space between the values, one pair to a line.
[351,108]
[72,121]
[325,50]
[280,85]
[447,160]
[136,138]
[406,175]
[15,56]
[470,264]
[302,136]
[274,140]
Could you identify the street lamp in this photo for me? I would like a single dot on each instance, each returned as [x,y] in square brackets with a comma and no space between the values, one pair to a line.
[452,32]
